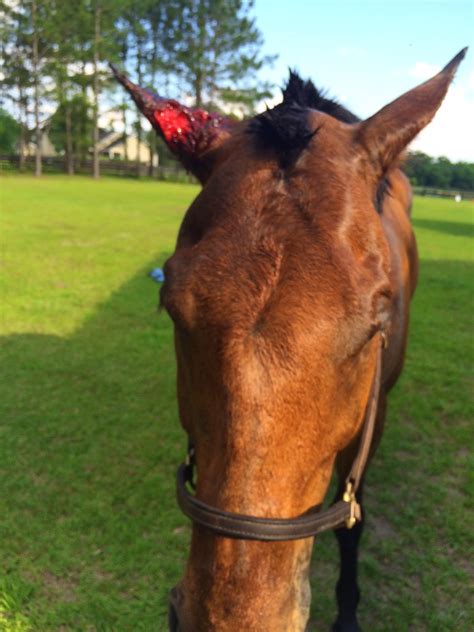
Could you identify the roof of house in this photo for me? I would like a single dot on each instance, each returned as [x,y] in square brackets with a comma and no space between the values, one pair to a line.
[109,140]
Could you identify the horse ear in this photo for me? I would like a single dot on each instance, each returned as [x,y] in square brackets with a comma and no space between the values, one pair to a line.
[191,134]
[386,134]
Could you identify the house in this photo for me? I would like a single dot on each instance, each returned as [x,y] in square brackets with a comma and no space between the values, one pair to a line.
[47,147]
[117,146]
[112,145]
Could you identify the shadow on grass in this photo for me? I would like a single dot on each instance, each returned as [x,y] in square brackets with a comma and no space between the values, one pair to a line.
[456,229]
[89,446]
[90,536]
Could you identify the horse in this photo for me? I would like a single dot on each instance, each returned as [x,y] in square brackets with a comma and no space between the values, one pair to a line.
[289,291]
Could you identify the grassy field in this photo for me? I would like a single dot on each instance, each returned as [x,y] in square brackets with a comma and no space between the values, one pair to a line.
[90,536]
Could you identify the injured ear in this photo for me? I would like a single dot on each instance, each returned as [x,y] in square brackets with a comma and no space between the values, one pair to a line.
[191,134]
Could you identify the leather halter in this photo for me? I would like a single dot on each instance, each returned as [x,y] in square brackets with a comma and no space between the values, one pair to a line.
[345,512]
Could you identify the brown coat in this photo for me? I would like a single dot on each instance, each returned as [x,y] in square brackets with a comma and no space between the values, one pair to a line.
[283,273]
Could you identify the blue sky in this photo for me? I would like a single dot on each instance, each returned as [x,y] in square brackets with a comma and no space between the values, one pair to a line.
[368,52]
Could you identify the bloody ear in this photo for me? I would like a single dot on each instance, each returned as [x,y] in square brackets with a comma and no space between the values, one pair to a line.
[386,134]
[190,133]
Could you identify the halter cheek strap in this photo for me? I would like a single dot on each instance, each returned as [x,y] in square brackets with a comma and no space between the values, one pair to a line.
[345,512]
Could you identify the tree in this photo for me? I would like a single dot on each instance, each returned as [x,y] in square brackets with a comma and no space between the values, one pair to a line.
[145,47]
[55,53]
[39,37]
[159,58]
[99,44]
[9,133]
[123,47]
[27,51]
[463,176]
[70,129]
[97,8]
[35,48]
[417,166]
[16,76]
[439,173]
[218,51]
[137,38]
[65,45]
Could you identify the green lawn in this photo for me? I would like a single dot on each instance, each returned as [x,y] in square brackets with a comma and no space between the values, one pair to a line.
[90,536]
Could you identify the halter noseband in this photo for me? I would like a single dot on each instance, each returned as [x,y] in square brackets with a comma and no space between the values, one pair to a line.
[345,512]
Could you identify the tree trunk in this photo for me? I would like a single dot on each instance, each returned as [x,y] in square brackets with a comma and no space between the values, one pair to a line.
[125,135]
[198,81]
[198,89]
[38,132]
[83,146]
[150,160]
[69,147]
[21,148]
[138,128]
[153,66]
[96,88]
[139,122]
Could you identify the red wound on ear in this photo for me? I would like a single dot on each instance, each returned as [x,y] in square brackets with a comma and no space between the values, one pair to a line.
[188,132]
[180,125]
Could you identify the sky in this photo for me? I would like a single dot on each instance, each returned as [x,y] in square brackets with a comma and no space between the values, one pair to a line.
[366,53]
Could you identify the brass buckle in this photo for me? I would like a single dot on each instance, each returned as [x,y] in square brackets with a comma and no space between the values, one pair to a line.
[355,512]
[190,457]
[190,464]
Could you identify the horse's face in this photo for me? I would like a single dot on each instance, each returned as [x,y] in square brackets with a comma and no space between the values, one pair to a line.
[277,286]
[280,279]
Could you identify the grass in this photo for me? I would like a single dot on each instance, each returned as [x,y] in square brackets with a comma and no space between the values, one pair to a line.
[90,536]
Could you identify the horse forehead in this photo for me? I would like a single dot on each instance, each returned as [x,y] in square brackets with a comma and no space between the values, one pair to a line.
[259,284]
[251,194]
[254,230]
[270,224]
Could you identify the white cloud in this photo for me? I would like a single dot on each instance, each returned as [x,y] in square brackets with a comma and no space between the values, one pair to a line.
[422,70]
[470,81]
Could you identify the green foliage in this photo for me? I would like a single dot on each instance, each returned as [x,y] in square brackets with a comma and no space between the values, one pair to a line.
[211,48]
[70,128]
[16,83]
[81,125]
[90,535]
[439,173]
[218,45]
[9,133]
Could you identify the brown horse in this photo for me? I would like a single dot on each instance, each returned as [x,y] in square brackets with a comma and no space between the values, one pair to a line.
[295,256]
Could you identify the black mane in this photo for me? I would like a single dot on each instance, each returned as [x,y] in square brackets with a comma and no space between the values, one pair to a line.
[306,95]
[285,128]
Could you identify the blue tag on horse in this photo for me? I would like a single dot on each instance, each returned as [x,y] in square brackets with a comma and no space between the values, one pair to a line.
[157,275]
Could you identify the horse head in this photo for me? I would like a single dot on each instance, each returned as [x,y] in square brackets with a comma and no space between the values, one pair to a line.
[296,253]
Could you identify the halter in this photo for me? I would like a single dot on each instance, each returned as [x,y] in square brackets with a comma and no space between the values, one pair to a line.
[345,512]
